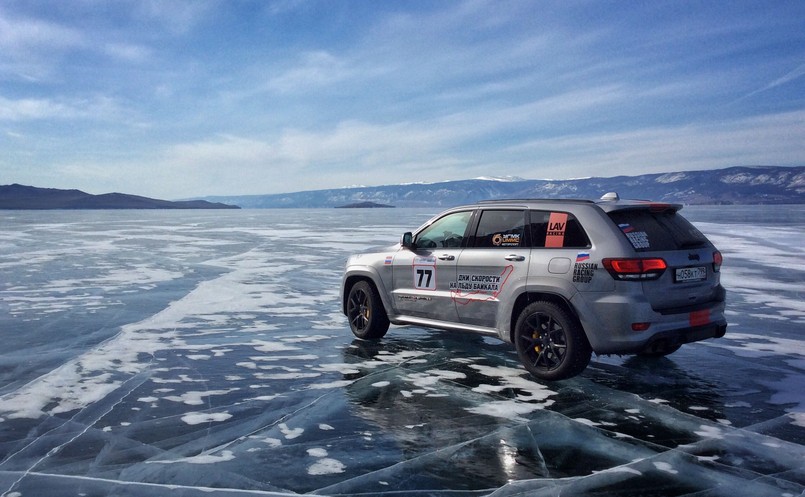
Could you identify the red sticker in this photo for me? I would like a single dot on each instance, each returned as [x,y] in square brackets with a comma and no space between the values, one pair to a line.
[700,318]
[557,224]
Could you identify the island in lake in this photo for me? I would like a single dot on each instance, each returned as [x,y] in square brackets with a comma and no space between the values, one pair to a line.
[365,205]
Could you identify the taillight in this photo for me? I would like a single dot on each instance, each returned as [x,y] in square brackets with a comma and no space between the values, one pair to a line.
[717,260]
[635,269]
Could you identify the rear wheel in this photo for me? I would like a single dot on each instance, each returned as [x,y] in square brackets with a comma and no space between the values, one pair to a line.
[550,342]
[367,317]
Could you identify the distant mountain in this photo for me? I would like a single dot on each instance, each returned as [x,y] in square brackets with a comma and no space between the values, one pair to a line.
[30,197]
[734,185]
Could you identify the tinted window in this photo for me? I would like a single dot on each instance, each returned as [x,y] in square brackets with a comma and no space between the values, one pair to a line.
[666,230]
[447,231]
[557,230]
[501,229]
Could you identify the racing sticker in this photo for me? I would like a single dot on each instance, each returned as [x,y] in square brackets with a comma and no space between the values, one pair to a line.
[477,282]
[557,224]
[506,240]
[584,270]
[638,239]
[424,273]
[470,287]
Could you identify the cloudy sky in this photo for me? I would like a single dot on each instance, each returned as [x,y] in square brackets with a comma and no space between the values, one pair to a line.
[174,99]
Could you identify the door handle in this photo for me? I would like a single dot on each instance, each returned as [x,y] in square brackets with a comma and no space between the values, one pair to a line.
[447,257]
[515,257]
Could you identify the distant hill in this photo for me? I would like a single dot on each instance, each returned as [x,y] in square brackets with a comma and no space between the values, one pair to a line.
[734,185]
[30,197]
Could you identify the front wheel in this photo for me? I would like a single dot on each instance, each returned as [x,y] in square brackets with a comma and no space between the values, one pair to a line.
[367,317]
[550,342]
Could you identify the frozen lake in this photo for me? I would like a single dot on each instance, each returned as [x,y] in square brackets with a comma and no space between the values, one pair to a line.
[203,353]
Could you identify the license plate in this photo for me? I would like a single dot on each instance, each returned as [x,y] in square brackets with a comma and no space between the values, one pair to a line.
[685,274]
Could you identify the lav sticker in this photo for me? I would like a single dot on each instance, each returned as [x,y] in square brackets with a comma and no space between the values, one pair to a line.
[557,224]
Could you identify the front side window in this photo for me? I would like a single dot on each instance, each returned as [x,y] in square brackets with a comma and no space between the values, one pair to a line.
[445,232]
[501,229]
[557,230]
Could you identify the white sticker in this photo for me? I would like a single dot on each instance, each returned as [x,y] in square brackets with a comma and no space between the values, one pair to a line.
[425,273]
[639,239]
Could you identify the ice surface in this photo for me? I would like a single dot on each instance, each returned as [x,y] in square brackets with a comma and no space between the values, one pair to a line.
[204,353]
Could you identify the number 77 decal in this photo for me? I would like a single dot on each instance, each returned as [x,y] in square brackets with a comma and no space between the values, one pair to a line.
[425,273]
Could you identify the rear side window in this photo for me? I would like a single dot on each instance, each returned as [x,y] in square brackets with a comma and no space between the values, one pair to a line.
[666,230]
[501,228]
[557,230]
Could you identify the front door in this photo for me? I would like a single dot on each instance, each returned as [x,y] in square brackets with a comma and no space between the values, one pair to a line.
[422,277]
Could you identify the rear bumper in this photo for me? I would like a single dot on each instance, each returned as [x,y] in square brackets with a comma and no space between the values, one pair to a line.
[608,321]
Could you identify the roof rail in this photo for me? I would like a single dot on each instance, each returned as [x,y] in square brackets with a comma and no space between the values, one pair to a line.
[509,200]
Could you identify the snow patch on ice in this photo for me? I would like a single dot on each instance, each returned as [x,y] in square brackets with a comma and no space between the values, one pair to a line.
[326,466]
[506,409]
[197,418]
[512,378]
[706,431]
[664,466]
[196,398]
[290,433]
[226,455]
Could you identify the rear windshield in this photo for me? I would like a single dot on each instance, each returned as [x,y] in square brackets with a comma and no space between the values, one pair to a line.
[649,231]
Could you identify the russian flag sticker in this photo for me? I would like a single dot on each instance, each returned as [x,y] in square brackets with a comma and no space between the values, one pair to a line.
[582,256]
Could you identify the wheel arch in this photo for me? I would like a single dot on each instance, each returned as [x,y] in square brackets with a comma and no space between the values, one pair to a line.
[352,278]
[526,298]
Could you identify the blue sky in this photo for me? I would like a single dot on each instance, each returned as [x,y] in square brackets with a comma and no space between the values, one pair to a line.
[176,99]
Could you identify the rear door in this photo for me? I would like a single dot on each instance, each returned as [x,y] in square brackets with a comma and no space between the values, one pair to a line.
[493,264]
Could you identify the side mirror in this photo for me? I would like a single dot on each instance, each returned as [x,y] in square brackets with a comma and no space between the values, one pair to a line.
[407,240]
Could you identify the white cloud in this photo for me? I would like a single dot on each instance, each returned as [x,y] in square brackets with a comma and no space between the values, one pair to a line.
[24,109]
[19,35]
[319,68]
[98,108]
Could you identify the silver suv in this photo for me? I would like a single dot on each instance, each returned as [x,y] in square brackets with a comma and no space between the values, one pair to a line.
[558,278]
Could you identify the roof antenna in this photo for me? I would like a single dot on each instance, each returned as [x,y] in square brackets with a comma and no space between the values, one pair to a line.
[611,196]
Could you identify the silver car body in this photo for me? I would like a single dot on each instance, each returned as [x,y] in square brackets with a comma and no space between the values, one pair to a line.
[480,279]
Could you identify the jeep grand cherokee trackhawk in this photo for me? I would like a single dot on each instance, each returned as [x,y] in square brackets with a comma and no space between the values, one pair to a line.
[558,278]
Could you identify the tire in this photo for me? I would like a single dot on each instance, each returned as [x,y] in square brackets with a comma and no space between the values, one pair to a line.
[365,311]
[550,342]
